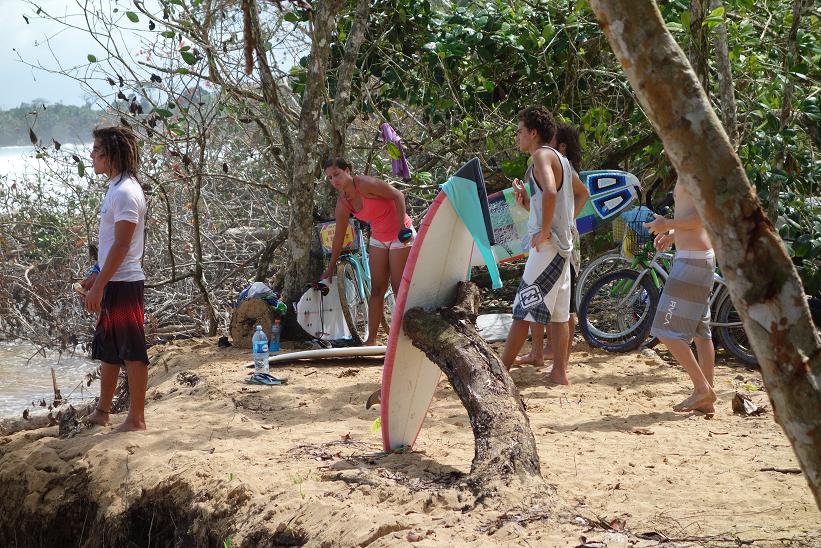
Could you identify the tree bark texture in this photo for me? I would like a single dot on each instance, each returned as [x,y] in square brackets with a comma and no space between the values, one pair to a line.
[763,282]
[301,234]
[340,105]
[246,318]
[726,89]
[269,85]
[344,77]
[698,42]
[199,273]
[505,447]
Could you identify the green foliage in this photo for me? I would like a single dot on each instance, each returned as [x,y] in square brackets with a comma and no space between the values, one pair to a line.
[469,67]
[65,123]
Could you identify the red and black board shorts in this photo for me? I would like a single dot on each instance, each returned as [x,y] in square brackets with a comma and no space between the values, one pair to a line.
[120,332]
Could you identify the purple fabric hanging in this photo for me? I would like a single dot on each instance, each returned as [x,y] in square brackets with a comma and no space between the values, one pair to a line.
[399,163]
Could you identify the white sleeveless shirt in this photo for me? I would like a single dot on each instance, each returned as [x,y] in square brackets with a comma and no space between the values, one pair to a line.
[560,227]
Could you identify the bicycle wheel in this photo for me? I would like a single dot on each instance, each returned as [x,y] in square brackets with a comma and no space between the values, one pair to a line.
[731,334]
[353,297]
[616,313]
[598,267]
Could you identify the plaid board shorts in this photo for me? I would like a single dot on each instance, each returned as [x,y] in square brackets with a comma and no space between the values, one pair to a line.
[684,307]
[544,292]
[120,333]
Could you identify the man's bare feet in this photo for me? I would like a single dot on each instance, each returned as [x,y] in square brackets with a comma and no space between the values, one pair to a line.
[556,377]
[130,425]
[698,401]
[547,352]
[528,359]
[708,410]
[99,417]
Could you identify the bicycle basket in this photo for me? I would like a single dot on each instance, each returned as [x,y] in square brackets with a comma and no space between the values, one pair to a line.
[630,230]
[326,237]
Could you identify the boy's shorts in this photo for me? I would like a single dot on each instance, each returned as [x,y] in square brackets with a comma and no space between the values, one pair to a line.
[544,293]
[120,332]
[684,308]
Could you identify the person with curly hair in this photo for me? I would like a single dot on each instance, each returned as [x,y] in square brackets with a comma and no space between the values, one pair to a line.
[114,289]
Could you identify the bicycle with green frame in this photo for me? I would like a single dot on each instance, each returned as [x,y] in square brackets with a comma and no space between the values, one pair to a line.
[353,278]
[616,310]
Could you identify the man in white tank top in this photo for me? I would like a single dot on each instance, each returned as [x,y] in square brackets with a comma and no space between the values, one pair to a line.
[544,293]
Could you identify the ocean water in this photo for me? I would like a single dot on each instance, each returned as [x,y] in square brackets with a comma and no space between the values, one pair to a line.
[19,161]
[25,377]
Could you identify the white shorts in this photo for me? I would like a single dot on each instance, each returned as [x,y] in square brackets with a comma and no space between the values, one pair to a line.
[393,244]
[544,293]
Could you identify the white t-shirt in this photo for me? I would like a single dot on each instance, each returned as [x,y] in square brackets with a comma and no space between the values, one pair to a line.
[124,201]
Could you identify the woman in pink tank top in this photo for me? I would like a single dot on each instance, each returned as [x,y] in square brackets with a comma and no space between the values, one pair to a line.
[382,206]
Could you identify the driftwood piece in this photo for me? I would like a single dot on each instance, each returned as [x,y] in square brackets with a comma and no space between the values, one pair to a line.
[245,318]
[44,420]
[505,448]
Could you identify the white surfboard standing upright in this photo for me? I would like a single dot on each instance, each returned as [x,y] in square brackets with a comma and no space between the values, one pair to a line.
[439,259]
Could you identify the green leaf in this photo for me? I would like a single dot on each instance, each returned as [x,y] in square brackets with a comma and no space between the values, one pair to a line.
[685,19]
[133,17]
[674,27]
[167,34]
[188,57]
[376,425]
[718,12]
[393,151]
[91,58]
[81,168]
[182,70]
[164,113]
[291,17]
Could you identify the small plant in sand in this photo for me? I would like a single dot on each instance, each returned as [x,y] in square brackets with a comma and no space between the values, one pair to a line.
[298,482]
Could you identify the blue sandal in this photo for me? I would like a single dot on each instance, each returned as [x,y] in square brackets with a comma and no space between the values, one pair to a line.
[265,378]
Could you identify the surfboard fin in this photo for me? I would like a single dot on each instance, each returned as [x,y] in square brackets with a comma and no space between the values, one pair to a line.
[374,399]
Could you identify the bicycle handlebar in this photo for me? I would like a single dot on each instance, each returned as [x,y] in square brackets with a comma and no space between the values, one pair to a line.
[663,205]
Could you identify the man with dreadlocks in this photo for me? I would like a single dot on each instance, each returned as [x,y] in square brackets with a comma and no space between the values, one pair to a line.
[115,290]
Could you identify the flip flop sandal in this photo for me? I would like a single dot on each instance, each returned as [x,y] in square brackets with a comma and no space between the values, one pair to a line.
[264,378]
[276,380]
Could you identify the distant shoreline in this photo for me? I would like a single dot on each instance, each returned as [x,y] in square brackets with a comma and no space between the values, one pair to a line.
[64,123]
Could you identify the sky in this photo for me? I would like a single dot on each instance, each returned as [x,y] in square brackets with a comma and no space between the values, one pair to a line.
[40,40]
[22,83]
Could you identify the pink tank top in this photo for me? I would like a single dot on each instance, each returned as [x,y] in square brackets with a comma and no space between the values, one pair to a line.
[380,213]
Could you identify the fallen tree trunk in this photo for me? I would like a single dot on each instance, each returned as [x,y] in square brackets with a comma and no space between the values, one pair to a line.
[505,449]
[43,420]
[246,318]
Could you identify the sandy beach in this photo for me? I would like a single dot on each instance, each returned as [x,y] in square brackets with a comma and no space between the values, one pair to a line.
[299,464]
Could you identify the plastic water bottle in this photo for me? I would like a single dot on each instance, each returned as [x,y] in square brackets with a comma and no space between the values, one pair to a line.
[259,346]
[276,329]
